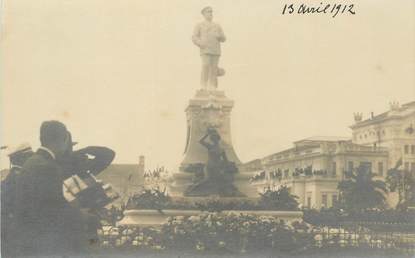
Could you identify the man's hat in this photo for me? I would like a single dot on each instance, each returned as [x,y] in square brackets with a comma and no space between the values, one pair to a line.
[20,149]
[205,9]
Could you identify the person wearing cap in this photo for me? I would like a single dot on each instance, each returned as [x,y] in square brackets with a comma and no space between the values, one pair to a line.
[91,159]
[85,162]
[47,223]
[208,35]
[17,158]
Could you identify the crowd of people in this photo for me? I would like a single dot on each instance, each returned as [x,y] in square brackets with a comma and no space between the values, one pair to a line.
[36,218]
[307,171]
[156,174]
[258,176]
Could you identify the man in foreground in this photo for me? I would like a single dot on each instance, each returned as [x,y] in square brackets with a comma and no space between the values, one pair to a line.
[47,223]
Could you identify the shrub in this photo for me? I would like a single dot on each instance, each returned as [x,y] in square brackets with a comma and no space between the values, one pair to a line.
[149,199]
[217,232]
[159,200]
[280,199]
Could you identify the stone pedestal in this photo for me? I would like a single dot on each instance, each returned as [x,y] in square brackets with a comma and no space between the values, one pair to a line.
[207,109]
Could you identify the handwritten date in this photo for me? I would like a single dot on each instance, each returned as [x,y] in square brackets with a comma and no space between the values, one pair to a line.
[332,9]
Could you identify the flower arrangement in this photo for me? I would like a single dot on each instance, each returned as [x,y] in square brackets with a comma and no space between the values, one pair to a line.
[214,232]
[241,233]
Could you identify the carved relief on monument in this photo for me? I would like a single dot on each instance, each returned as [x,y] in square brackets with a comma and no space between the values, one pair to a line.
[211,118]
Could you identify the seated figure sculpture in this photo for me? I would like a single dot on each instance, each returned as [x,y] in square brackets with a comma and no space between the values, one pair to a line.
[218,170]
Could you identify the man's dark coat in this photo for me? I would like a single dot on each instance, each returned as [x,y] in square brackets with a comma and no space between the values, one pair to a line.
[47,224]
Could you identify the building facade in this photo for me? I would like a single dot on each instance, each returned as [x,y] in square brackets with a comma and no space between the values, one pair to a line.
[393,129]
[313,168]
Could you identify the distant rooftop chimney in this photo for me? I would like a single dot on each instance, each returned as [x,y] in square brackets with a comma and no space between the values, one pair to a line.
[357,117]
[141,164]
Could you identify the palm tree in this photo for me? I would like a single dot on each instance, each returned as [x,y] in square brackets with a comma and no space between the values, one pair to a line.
[403,182]
[281,199]
[360,192]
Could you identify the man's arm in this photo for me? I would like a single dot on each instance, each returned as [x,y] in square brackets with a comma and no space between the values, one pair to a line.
[196,36]
[203,141]
[102,158]
[221,36]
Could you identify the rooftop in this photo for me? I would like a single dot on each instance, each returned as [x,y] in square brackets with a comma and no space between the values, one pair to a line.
[324,139]
[396,111]
[122,176]
[312,145]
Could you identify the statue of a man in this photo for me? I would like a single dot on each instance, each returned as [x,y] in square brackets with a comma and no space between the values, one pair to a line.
[207,36]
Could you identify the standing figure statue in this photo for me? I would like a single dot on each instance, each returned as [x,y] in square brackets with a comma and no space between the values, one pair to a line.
[207,36]
[218,170]
[217,160]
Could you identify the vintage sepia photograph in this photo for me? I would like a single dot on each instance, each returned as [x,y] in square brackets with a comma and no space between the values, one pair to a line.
[207,128]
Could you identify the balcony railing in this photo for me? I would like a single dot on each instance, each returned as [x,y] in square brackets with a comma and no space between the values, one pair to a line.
[314,174]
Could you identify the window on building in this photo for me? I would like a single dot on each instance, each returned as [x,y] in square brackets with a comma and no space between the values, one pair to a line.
[380,168]
[308,202]
[366,165]
[334,199]
[324,201]
[406,166]
[413,166]
[412,149]
[349,169]
[350,166]
[334,168]
[406,149]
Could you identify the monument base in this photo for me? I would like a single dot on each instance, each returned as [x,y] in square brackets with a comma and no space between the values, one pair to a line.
[209,109]
[183,180]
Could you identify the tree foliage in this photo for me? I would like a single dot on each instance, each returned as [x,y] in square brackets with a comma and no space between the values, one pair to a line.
[150,199]
[402,182]
[280,199]
[360,192]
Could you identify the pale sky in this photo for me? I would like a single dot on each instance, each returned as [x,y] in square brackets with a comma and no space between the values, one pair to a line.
[120,73]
